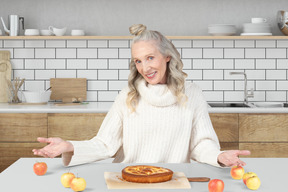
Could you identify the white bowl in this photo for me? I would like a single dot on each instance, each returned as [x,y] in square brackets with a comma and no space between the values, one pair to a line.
[37,96]
[222,29]
[31,32]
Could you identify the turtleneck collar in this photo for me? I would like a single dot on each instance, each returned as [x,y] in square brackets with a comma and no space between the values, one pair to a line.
[157,95]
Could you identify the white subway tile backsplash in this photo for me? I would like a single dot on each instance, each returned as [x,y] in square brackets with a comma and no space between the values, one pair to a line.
[118,64]
[202,63]
[44,74]
[223,85]
[34,64]
[187,63]
[265,43]
[282,85]
[76,43]
[123,74]
[97,43]
[223,63]
[97,85]
[34,85]
[17,63]
[212,74]
[276,74]
[282,63]
[124,53]
[56,43]
[212,53]
[213,96]
[191,53]
[265,85]
[65,53]
[258,96]
[202,43]
[239,85]
[24,53]
[117,85]
[87,53]
[233,96]
[107,53]
[193,74]
[55,63]
[35,43]
[76,64]
[13,44]
[244,43]
[118,43]
[265,63]
[107,95]
[255,74]
[205,85]
[276,53]
[107,74]
[182,43]
[282,43]
[88,74]
[1,43]
[244,64]
[223,43]
[10,50]
[97,63]
[44,53]
[27,74]
[92,96]
[255,53]
[233,53]
[66,73]
[279,96]
[227,75]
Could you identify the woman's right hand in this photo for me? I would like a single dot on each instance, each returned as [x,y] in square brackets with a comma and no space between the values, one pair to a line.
[56,147]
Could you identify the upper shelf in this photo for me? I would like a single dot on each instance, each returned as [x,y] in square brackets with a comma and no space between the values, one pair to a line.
[130,37]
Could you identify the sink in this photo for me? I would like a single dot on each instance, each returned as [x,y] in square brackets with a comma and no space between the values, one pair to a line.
[228,105]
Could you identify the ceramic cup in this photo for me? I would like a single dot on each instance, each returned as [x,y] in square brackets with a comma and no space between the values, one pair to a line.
[77,32]
[46,32]
[57,32]
[29,32]
[0,32]
[258,20]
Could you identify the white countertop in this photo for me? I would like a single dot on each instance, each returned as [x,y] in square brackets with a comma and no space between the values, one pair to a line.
[103,107]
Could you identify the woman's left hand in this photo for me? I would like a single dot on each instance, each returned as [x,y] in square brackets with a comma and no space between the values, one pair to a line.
[230,158]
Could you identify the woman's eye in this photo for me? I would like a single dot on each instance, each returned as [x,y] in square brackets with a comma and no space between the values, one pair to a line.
[137,61]
[150,58]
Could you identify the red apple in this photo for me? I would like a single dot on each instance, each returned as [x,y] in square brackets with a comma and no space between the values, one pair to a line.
[40,168]
[78,184]
[66,179]
[216,185]
[237,172]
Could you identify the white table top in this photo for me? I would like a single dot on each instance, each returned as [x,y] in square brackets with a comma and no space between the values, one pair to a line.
[103,107]
[20,176]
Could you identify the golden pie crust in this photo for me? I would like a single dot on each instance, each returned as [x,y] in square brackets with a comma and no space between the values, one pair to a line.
[146,174]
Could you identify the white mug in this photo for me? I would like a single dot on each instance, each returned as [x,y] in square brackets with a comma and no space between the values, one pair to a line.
[258,20]
[57,32]
[77,32]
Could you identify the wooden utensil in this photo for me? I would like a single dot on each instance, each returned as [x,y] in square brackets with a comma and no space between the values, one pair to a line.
[5,74]
[198,179]
[68,88]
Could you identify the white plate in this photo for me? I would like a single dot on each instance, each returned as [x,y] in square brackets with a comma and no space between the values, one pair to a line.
[268,104]
[264,34]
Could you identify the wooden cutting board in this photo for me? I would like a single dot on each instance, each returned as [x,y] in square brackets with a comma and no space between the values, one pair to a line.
[114,180]
[5,74]
[68,87]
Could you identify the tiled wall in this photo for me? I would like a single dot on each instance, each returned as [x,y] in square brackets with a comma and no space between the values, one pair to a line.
[105,64]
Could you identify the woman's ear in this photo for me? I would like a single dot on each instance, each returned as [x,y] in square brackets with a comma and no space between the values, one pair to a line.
[168,58]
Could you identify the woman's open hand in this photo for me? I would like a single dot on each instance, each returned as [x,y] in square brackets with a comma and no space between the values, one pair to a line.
[56,147]
[230,158]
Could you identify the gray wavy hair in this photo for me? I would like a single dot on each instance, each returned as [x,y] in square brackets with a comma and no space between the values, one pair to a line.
[175,75]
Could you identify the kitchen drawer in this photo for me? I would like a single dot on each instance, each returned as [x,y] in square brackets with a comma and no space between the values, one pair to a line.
[263,127]
[225,126]
[22,127]
[74,126]
[270,150]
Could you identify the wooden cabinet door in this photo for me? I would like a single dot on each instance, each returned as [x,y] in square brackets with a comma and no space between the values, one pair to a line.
[270,150]
[22,127]
[263,127]
[74,126]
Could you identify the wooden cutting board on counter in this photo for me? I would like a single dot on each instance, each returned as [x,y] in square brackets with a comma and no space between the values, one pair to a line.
[5,74]
[68,87]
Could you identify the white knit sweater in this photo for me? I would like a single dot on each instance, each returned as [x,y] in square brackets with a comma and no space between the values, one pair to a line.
[160,131]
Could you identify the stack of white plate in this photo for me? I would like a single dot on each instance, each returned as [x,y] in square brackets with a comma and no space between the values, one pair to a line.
[256,29]
[221,29]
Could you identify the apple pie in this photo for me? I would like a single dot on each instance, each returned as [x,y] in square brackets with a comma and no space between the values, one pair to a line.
[146,174]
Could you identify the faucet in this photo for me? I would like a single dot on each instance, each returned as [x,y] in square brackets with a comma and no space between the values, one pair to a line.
[246,93]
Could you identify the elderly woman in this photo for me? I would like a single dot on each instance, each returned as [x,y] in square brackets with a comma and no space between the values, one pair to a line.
[158,118]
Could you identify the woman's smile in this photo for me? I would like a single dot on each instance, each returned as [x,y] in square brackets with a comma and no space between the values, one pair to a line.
[151,75]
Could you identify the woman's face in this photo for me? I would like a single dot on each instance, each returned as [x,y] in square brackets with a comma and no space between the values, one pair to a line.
[150,63]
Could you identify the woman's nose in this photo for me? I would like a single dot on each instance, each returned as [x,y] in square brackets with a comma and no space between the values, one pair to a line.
[146,67]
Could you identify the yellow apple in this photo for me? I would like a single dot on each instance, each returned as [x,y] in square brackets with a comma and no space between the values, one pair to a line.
[248,175]
[66,179]
[253,182]
[237,172]
[78,184]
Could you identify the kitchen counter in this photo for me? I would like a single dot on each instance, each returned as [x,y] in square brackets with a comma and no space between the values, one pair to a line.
[20,176]
[103,107]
